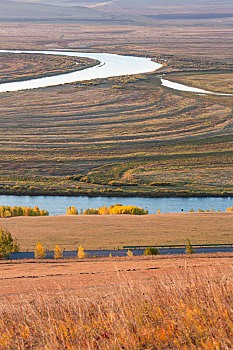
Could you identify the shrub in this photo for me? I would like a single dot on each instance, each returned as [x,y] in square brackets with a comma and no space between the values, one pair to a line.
[8,244]
[151,251]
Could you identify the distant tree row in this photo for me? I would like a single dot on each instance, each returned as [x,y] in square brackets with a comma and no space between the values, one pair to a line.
[209,211]
[113,209]
[7,211]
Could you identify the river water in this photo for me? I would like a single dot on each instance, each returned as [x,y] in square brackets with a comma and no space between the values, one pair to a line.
[57,205]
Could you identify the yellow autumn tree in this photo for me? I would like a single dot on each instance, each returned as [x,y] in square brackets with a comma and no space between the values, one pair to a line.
[58,252]
[81,253]
[129,253]
[39,251]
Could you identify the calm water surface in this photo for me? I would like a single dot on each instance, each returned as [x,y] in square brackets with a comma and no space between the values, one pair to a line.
[56,205]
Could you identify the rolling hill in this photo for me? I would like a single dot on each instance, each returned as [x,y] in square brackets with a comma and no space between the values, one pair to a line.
[14,11]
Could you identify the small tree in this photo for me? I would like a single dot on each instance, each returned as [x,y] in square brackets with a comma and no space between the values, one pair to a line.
[151,251]
[8,244]
[189,247]
[39,251]
[129,253]
[110,255]
[81,253]
[58,252]
[159,211]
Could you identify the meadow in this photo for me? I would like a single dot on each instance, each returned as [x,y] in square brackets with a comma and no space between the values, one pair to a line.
[177,303]
[113,231]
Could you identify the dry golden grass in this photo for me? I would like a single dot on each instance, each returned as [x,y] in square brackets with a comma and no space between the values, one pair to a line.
[178,303]
[113,231]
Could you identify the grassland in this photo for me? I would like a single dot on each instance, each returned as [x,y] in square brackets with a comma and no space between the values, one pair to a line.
[141,140]
[27,66]
[113,231]
[123,136]
[178,303]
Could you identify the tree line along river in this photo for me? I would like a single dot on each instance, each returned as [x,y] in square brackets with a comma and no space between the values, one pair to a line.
[57,205]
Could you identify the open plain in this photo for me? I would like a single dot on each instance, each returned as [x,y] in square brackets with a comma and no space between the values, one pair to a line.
[113,231]
[25,278]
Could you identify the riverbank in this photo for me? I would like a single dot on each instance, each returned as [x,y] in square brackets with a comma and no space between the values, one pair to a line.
[68,187]
[113,231]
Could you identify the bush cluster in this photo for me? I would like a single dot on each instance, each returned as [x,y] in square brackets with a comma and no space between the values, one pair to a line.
[117,209]
[113,209]
[151,251]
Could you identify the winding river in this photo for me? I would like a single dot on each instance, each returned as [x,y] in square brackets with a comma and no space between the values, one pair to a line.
[111,65]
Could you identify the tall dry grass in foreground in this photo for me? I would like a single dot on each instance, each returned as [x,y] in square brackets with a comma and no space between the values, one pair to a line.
[186,311]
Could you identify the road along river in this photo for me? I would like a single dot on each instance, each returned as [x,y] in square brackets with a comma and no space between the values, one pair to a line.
[123,252]
[111,65]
